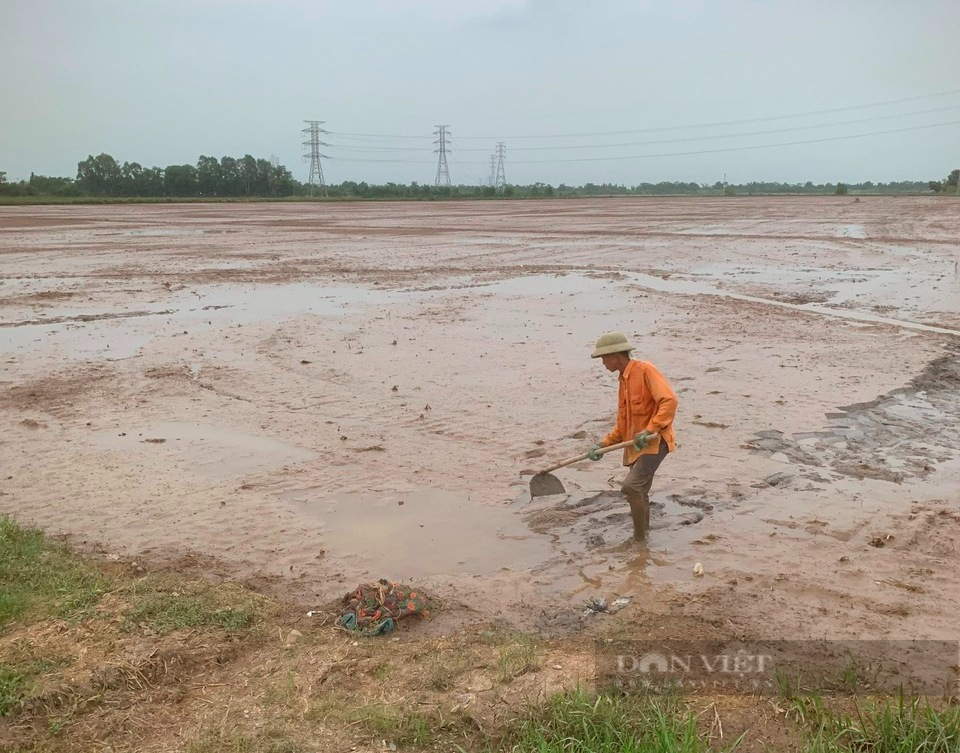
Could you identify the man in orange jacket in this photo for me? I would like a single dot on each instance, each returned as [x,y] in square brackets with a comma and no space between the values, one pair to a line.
[646,407]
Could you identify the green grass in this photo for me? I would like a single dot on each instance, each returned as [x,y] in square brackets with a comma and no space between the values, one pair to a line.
[282,694]
[14,686]
[899,726]
[517,657]
[162,605]
[266,741]
[41,578]
[403,728]
[17,681]
[854,677]
[575,722]
[443,669]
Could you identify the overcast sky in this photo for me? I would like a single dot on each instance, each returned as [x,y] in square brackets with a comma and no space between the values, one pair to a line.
[163,81]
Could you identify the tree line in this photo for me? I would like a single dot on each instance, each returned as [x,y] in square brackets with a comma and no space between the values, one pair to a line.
[247,176]
[104,176]
[950,185]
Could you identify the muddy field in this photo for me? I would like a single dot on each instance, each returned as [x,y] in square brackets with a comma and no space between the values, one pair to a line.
[305,396]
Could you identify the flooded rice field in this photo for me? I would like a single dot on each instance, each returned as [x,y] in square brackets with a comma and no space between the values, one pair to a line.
[304,396]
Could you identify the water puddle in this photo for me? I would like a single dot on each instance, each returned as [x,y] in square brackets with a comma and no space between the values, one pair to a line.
[593,290]
[599,282]
[253,303]
[595,528]
[110,340]
[208,451]
[851,231]
[688,287]
[113,333]
[163,232]
[421,534]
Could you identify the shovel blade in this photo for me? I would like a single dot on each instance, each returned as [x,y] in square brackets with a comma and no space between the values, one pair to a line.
[545,484]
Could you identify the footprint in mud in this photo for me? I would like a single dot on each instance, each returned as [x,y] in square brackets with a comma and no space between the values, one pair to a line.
[685,519]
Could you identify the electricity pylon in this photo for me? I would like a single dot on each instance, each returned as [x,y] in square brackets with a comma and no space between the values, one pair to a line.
[501,179]
[443,139]
[313,141]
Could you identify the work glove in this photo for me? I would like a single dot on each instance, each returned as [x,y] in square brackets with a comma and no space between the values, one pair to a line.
[642,439]
[594,452]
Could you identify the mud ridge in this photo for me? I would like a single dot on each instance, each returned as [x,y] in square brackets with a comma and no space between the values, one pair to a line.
[902,433]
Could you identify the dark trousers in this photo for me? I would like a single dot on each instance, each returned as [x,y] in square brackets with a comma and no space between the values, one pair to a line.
[636,488]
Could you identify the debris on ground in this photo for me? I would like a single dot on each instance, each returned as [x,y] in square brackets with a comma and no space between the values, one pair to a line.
[595,605]
[375,608]
[599,605]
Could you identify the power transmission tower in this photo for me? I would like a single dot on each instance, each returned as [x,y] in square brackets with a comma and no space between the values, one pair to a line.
[493,170]
[443,139]
[313,141]
[501,179]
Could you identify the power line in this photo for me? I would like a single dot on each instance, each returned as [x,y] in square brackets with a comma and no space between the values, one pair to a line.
[739,121]
[666,141]
[685,154]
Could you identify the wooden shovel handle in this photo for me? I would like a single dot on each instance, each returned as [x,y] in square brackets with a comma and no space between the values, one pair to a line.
[602,451]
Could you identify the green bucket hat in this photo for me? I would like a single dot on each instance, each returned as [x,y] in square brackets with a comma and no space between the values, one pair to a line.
[611,342]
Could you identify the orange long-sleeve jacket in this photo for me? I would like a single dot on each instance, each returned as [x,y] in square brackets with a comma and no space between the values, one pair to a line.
[646,402]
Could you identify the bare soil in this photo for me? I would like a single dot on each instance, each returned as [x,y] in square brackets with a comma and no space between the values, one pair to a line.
[305,396]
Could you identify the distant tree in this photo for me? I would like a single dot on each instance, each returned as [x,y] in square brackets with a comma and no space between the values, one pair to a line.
[230,181]
[248,174]
[840,190]
[281,181]
[41,185]
[99,175]
[180,180]
[6,189]
[209,176]
[132,180]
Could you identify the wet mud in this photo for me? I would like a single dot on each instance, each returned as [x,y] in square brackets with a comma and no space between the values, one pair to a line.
[307,396]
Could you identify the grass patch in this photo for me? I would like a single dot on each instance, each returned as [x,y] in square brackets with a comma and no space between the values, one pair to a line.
[282,694]
[395,725]
[517,657]
[42,579]
[160,604]
[18,680]
[267,741]
[899,726]
[574,722]
[14,687]
[326,706]
[855,676]
[444,668]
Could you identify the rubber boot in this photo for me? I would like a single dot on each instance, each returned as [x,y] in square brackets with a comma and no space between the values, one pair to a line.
[640,512]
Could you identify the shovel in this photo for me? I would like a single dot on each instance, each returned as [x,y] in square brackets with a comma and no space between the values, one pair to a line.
[544,483]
